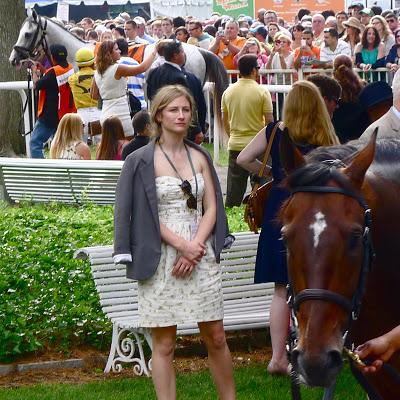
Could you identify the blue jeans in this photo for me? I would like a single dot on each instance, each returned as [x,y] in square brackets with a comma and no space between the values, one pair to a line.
[40,135]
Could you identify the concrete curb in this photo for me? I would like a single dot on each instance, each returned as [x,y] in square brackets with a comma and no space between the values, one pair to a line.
[60,364]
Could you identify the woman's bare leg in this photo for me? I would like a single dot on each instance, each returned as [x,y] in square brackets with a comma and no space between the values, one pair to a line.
[279,327]
[219,357]
[163,372]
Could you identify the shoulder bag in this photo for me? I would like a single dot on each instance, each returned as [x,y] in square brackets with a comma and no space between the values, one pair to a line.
[255,201]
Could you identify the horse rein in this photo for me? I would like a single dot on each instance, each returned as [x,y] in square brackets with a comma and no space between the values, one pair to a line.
[352,306]
[31,51]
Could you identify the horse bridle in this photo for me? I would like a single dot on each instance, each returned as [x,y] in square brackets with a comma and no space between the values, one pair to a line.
[351,306]
[31,50]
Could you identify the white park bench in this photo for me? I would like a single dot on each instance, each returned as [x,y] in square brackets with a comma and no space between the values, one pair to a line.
[246,305]
[66,181]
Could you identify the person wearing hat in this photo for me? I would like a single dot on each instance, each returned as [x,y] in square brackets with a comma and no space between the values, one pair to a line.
[55,98]
[377,97]
[365,16]
[354,10]
[354,29]
[80,83]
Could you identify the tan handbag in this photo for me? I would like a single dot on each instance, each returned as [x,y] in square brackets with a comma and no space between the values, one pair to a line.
[255,201]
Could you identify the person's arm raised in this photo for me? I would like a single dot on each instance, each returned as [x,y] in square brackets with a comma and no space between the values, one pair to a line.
[132,70]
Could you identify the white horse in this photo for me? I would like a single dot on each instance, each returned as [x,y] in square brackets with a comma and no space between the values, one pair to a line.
[41,32]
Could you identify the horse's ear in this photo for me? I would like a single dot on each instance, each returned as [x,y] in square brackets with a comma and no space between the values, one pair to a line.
[29,12]
[291,157]
[34,14]
[359,165]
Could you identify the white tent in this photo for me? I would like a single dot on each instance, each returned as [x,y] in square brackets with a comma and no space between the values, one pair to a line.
[201,9]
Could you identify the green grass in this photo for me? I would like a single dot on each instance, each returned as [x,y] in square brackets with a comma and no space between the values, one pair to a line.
[252,383]
[223,154]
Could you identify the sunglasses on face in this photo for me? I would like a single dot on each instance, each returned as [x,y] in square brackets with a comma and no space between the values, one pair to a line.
[390,21]
[278,42]
[187,190]
[335,99]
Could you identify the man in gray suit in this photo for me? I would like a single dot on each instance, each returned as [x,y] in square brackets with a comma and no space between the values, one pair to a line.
[389,123]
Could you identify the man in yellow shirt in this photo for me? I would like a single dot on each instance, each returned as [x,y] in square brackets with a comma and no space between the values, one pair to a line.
[246,109]
[227,44]
[80,83]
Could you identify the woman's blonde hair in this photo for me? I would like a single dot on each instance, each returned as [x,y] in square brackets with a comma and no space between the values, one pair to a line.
[306,117]
[165,96]
[70,130]
[281,35]
[254,41]
[386,30]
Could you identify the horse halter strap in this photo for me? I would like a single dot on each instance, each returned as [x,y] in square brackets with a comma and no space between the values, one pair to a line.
[351,306]
[30,51]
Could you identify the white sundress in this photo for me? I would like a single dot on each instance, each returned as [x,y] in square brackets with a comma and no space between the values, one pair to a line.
[115,100]
[165,300]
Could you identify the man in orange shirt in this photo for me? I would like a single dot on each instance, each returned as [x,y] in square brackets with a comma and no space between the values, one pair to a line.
[227,44]
[307,53]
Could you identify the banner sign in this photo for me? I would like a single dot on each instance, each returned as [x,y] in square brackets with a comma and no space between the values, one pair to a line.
[234,8]
[287,9]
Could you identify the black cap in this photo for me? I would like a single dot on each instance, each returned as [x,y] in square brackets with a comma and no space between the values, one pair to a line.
[59,52]
[375,93]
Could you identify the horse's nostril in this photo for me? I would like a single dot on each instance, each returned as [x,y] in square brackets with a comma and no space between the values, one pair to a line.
[334,359]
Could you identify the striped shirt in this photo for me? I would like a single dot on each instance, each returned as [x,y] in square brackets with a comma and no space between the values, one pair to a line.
[135,83]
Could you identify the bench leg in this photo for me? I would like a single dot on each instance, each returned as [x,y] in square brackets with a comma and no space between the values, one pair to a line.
[123,349]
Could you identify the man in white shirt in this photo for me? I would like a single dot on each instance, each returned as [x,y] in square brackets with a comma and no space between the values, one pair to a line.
[332,47]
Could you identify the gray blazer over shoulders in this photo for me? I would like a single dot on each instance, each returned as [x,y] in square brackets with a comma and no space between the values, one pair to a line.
[136,223]
[388,127]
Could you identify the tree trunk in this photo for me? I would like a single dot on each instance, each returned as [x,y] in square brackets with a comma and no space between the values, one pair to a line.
[12,14]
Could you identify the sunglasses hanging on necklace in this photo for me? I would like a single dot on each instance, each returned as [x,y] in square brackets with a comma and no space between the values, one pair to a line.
[185,185]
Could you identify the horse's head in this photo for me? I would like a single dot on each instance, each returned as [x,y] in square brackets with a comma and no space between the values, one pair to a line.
[28,39]
[324,227]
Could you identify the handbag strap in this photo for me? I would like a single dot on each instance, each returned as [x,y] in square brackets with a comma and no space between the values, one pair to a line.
[268,151]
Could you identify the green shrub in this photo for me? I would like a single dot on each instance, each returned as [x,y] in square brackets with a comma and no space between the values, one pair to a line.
[46,297]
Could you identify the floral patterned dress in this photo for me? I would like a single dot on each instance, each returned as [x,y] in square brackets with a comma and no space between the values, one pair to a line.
[165,300]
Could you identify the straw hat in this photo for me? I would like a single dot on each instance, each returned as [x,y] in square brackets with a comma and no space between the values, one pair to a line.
[354,23]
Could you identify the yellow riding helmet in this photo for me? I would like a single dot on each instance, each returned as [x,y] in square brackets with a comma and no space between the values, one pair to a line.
[84,57]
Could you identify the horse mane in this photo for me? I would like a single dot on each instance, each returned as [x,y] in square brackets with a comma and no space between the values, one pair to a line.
[60,25]
[317,173]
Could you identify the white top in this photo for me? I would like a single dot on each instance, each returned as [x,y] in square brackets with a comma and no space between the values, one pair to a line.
[329,55]
[109,87]
[389,42]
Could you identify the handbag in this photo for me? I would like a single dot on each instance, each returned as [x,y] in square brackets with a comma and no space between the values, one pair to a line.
[94,128]
[134,104]
[255,201]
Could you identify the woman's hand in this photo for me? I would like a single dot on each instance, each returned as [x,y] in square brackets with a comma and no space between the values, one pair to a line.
[183,267]
[394,67]
[192,250]
[365,67]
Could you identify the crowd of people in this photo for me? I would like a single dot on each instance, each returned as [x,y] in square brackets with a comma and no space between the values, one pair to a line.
[179,280]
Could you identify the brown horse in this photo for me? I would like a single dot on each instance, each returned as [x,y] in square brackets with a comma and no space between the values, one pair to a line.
[325,225]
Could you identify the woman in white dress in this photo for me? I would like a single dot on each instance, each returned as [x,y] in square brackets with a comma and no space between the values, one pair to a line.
[186,284]
[110,82]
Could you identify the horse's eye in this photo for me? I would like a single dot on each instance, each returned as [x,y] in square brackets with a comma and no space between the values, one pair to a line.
[28,35]
[354,240]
